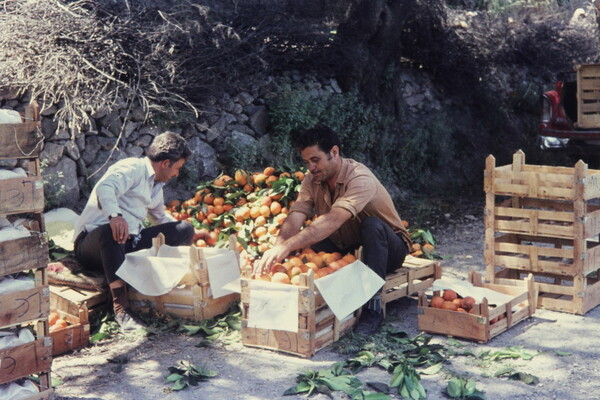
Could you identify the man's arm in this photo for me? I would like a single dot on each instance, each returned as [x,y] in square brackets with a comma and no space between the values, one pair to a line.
[320,229]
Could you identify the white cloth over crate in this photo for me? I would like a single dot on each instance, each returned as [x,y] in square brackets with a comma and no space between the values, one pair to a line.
[16,391]
[349,288]
[273,306]
[8,284]
[155,274]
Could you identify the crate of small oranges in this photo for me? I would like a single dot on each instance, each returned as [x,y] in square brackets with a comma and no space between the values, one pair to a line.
[460,315]
[317,325]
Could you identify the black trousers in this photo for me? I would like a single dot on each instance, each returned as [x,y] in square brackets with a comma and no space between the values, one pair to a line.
[98,251]
[383,250]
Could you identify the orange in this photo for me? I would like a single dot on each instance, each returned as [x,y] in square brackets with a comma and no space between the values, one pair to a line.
[448,305]
[405,223]
[248,188]
[260,231]
[263,247]
[285,174]
[266,201]
[299,175]
[279,268]
[266,278]
[296,270]
[260,221]
[295,261]
[255,211]
[270,180]
[53,317]
[173,203]
[467,302]
[335,265]
[218,210]
[416,247]
[211,217]
[227,207]
[295,280]
[307,251]
[280,277]
[436,302]
[212,238]
[209,198]
[280,218]
[241,177]
[200,243]
[273,229]
[427,248]
[449,295]
[220,182]
[218,201]
[241,201]
[259,178]
[275,207]
[312,265]
[199,196]
[265,211]
[349,258]
[269,171]
[318,260]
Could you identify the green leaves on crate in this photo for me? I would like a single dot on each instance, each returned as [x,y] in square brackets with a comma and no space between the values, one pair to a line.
[509,352]
[463,389]
[513,374]
[422,236]
[186,374]
[56,252]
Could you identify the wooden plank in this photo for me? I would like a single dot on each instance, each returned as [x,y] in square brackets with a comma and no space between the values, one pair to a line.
[21,195]
[72,337]
[24,306]
[533,227]
[22,140]
[21,361]
[287,342]
[23,254]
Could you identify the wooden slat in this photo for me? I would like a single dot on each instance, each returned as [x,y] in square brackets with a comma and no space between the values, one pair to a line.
[22,254]
[24,306]
[21,195]
[22,140]
[21,361]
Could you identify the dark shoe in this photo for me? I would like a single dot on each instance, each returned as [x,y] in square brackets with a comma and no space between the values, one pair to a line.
[369,322]
[128,321]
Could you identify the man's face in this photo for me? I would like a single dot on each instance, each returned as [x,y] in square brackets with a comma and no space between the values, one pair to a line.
[323,166]
[165,170]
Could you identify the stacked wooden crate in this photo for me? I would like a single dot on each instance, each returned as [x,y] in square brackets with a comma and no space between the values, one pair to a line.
[545,221]
[588,96]
[24,308]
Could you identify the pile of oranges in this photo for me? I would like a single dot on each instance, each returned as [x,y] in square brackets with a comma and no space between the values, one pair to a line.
[56,322]
[450,300]
[321,263]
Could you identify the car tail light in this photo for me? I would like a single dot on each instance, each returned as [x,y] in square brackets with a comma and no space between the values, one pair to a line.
[546,109]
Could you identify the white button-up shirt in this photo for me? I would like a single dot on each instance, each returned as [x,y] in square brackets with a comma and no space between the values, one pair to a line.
[127,188]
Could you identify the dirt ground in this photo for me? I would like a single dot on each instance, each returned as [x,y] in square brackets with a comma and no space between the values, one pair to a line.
[566,347]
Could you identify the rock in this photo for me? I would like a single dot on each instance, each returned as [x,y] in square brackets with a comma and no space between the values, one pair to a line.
[61,134]
[244,98]
[134,151]
[61,188]
[242,118]
[335,86]
[92,147]
[49,127]
[259,121]
[106,143]
[143,141]
[204,158]
[72,150]
[112,124]
[130,127]
[98,114]
[137,114]
[218,128]
[242,128]
[101,163]
[52,153]
[149,130]
[46,112]
[202,126]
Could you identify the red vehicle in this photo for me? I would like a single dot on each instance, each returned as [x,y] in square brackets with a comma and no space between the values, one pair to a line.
[559,127]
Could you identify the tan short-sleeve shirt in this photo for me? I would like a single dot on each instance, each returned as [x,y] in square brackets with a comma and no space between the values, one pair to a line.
[358,191]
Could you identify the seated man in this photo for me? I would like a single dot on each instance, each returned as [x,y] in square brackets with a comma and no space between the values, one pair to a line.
[353,209]
[111,223]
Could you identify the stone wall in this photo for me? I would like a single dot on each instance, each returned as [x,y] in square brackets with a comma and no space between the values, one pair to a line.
[72,164]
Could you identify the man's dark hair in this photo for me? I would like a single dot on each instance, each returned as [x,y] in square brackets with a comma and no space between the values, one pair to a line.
[168,146]
[320,135]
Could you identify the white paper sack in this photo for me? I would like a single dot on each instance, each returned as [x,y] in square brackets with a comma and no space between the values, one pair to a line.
[12,174]
[349,288]
[465,288]
[12,233]
[273,306]
[11,339]
[60,224]
[223,273]
[8,284]
[152,275]
[14,391]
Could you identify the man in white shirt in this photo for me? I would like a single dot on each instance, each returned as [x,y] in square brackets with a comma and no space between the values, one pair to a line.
[111,224]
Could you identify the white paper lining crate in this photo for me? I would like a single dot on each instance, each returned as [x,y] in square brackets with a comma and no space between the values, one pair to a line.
[545,221]
[478,325]
[25,195]
[194,302]
[415,275]
[317,325]
[75,306]
[588,96]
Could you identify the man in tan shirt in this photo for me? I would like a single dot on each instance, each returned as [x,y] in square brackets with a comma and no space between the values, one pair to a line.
[353,209]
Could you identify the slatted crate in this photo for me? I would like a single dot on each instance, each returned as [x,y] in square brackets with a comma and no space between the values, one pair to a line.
[24,360]
[415,275]
[193,301]
[25,305]
[73,336]
[22,195]
[588,96]
[486,321]
[24,253]
[317,325]
[545,221]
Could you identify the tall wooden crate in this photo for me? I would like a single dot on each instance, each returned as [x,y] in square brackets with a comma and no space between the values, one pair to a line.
[588,96]
[544,220]
[23,141]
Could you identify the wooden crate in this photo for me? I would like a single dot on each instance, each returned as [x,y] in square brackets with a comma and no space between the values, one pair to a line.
[194,302]
[24,306]
[22,195]
[21,361]
[545,221]
[22,140]
[74,336]
[71,300]
[317,325]
[24,253]
[588,96]
[478,325]
[415,275]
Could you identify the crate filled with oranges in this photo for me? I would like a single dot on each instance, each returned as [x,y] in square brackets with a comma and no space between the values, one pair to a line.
[456,314]
[317,325]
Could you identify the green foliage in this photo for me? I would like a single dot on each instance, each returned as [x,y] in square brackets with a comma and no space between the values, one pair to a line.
[365,134]
[241,155]
[463,389]
[186,374]
[54,188]
[512,6]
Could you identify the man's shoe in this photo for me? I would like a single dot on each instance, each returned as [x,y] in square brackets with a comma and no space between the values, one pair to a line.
[128,321]
[369,322]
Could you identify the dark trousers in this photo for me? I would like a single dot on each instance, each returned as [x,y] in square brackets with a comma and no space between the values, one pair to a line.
[383,250]
[98,251]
